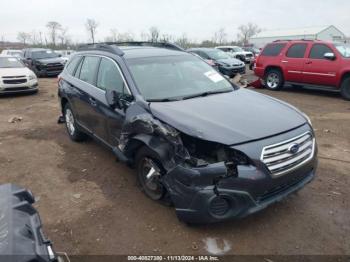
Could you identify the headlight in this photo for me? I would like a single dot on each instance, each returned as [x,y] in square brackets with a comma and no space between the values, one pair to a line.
[32,77]
[307,118]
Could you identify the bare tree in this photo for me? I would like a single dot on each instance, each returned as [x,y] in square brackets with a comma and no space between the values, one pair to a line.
[144,36]
[247,31]
[91,26]
[114,35]
[154,34]
[63,37]
[167,38]
[23,37]
[220,36]
[54,28]
[183,41]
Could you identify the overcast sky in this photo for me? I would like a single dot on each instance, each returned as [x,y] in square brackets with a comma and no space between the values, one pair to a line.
[199,19]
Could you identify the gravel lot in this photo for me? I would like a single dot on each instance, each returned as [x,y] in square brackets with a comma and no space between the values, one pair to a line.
[90,204]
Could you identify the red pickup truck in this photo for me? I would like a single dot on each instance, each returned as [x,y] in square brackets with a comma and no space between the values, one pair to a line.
[305,62]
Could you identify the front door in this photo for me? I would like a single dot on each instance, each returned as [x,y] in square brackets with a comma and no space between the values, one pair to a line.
[111,78]
[318,70]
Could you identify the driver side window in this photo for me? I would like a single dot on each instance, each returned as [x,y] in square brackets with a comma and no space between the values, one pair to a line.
[109,76]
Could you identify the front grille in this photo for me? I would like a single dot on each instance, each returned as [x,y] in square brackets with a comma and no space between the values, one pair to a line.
[249,55]
[288,155]
[54,67]
[9,77]
[282,188]
[14,81]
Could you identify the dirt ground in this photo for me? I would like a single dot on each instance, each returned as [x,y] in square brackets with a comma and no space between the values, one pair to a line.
[90,204]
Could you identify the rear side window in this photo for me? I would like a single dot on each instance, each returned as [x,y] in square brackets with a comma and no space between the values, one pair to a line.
[109,76]
[319,50]
[297,51]
[273,49]
[73,65]
[88,69]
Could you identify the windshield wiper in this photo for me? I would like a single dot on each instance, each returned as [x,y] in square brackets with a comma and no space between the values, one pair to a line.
[163,100]
[207,93]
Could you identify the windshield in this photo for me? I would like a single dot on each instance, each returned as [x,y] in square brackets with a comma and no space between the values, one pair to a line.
[237,49]
[44,54]
[343,49]
[10,62]
[217,54]
[176,77]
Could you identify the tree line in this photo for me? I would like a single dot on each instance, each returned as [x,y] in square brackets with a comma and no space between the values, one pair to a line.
[57,36]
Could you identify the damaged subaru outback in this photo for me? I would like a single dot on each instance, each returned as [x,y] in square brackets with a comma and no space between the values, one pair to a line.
[211,149]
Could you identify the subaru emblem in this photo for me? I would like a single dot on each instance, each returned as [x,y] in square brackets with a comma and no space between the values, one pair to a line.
[294,148]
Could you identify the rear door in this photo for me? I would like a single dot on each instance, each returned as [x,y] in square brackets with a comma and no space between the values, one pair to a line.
[84,100]
[318,70]
[294,61]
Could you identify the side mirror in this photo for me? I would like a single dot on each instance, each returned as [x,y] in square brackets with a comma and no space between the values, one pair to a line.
[329,56]
[116,99]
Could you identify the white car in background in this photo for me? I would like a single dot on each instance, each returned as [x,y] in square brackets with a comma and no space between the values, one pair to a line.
[65,54]
[237,52]
[15,77]
[12,52]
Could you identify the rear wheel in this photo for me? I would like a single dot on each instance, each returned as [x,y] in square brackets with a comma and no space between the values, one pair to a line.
[149,172]
[345,88]
[274,80]
[72,129]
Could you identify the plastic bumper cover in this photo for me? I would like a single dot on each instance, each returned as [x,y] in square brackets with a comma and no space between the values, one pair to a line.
[196,202]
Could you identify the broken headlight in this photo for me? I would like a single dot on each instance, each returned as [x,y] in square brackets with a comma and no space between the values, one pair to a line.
[205,152]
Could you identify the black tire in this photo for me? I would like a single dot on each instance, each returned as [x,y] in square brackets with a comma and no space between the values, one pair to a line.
[153,188]
[72,129]
[345,88]
[274,80]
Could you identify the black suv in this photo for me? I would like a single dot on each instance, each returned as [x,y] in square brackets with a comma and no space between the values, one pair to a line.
[212,149]
[43,62]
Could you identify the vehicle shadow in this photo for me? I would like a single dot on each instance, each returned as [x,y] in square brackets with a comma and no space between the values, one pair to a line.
[312,91]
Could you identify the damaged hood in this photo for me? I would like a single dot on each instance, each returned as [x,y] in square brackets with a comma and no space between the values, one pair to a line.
[229,118]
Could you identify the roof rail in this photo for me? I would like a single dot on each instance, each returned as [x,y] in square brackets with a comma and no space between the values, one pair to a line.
[112,48]
[288,40]
[166,45]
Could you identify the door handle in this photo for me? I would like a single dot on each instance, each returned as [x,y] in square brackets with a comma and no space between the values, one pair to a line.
[93,101]
[284,61]
[309,62]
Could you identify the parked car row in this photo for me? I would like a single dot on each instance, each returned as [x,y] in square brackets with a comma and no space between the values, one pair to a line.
[310,63]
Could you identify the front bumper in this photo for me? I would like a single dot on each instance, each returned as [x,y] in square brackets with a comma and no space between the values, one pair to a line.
[208,195]
[233,71]
[49,70]
[28,87]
